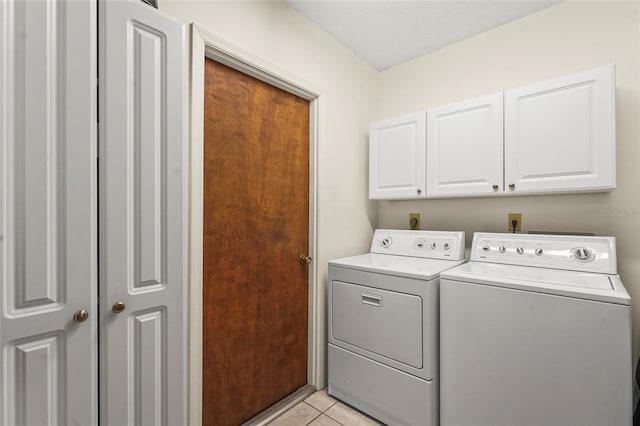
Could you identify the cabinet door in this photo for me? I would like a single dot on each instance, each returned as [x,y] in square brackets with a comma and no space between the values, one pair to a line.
[397,157]
[560,134]
[48,239]
[143,201]
[464,148]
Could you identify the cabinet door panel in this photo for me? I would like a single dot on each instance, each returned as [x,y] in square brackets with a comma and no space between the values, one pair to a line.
[464,147]
[48,239]
[143,198]
[397,157]
[560,134]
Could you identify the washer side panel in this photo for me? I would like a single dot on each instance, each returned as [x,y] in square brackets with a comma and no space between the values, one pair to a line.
[515,357]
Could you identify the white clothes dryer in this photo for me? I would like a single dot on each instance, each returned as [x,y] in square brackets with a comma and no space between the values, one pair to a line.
[383,324]
[535,330]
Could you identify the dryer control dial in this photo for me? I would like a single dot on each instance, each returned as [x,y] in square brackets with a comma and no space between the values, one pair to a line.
[386,242]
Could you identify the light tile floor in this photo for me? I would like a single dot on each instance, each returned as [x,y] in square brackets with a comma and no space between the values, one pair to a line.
[320,409]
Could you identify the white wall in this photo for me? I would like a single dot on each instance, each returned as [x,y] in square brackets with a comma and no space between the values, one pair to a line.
[562,39]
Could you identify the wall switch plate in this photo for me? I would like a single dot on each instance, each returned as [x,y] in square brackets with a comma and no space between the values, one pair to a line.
[414,221]
[512,217]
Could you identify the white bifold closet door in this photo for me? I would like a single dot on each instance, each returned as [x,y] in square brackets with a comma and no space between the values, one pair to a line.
[48,215]
[88,211]
[143,210]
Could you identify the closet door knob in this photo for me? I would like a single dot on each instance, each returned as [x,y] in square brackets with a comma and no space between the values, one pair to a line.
[81,316]
[495,187]
[512,185]
[118,307]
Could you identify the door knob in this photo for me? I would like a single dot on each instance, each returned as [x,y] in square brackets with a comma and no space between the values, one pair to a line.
[118,307]
[512,185]
[80,316]
[304,260]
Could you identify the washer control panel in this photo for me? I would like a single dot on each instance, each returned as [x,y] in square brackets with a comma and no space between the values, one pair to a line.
[575,253]
[427,244]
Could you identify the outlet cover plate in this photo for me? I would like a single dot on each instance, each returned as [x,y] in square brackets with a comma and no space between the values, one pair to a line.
[514,216]
[414,221]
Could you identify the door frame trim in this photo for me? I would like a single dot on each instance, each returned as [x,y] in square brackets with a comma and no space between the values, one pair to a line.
[205,44]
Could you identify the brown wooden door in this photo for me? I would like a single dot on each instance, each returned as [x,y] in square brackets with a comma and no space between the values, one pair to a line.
[256,221]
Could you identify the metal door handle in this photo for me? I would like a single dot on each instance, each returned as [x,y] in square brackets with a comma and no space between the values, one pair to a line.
[118,307]
[304,260]
[81,316]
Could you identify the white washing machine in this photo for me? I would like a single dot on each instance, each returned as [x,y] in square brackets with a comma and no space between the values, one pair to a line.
[383,324]
[535,330]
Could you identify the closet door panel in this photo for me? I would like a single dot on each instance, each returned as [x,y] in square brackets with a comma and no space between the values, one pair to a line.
[48,240]
[143,202]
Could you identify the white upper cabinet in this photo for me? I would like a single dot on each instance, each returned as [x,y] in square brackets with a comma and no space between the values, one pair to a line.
[464,148]
[560,134]
[397,157]
[555,136]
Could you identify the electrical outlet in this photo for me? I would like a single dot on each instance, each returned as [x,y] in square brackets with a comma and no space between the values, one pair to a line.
[511,218]
[414,221]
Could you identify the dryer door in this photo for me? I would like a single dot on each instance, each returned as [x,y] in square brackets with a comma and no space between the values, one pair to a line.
[389,319]
[383,322]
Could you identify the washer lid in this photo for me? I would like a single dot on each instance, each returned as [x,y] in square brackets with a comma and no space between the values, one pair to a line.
[583,285]
[410,267]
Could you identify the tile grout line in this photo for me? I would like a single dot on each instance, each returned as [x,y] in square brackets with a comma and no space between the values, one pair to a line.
[313,419]
[323,412]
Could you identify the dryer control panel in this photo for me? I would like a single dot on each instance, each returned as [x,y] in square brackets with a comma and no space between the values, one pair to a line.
[427,244]
[567,252]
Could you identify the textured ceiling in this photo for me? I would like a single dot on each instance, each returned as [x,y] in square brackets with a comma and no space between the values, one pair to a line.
[388,32]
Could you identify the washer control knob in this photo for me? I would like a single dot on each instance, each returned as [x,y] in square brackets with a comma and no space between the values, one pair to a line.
[502,249]
[386,242]
[539,252]
[433,245]
[520,250]
[447,246]
[486,248]
[420,244]
[583,254]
